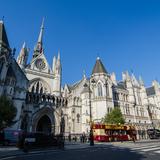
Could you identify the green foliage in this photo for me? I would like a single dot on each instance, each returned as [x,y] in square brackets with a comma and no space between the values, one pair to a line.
[7,112]
[114,117]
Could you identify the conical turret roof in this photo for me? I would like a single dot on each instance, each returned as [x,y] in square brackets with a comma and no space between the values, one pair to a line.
[99,67]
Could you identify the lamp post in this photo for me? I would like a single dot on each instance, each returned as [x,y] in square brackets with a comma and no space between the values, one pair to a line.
[90,108]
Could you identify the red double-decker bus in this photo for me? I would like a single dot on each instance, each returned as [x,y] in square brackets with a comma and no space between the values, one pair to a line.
[111,132]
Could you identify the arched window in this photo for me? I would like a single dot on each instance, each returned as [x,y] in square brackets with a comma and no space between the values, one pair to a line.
[100,93]
[78,118]
[107,89]
[41,90]
[33,89]
[11,91]
[37,88]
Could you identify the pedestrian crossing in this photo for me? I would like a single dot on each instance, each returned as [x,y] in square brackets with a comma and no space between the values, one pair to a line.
[142,148]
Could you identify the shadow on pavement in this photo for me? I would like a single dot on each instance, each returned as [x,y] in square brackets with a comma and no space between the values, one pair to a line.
[100,153]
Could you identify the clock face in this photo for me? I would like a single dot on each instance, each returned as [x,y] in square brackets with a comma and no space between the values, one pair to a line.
[40,63]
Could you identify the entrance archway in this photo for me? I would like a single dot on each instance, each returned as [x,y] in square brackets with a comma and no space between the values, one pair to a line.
[44,124]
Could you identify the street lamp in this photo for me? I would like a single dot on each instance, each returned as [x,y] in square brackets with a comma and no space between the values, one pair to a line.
[91,130]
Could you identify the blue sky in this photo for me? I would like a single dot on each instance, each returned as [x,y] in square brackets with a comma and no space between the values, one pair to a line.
[124,34]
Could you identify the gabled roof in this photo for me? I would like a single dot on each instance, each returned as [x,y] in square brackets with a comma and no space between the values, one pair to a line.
[99,67]
[3,35]
[150,91]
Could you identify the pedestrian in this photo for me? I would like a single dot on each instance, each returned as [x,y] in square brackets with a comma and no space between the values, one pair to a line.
[75,138]
[69,137]
[133,137]
[81,139]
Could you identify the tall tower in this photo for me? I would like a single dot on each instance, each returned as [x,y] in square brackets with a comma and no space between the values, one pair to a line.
[102,91]
[23,56]
[57,70]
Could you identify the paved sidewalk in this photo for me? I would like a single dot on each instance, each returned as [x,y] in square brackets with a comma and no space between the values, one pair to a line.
[14,151]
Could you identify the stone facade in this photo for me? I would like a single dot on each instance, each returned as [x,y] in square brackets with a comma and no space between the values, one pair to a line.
[45,108]
[43,105]
[139,105]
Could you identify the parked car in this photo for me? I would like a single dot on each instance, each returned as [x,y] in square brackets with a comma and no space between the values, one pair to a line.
[38,139]
[9,137]
[153,133]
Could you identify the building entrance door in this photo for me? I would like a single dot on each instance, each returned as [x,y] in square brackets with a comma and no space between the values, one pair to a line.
[44,124]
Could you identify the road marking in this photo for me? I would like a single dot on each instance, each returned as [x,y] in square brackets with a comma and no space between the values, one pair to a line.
[144,147]
[150,149]
[138,147]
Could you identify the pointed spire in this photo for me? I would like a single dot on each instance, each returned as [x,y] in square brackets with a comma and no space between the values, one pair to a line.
[134,80]
[3,36]
[141,81]
[84,74]
[58,64]
[58,59]
[39,46]
[123,76]
[23,56]
[113,78]
[54,64]
[127,76]
[24,45]
[40,38]
[58,55]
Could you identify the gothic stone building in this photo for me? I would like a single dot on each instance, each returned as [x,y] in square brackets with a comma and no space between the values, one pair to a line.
[139,105]
[45,107]
[34,87]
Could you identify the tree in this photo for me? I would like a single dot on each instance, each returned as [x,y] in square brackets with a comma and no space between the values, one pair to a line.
[7,112]
[114,117]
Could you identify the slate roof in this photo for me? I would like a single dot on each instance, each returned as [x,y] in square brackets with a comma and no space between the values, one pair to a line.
[121,85]
[99,67]
[150,91]
[10,72]
[72,87]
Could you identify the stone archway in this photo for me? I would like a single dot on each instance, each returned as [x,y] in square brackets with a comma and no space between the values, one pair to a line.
[44,120]
[44,125]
